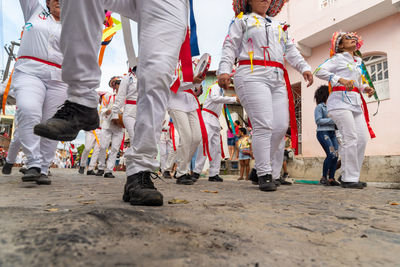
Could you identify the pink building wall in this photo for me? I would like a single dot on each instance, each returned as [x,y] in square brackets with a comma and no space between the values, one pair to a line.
[380,36]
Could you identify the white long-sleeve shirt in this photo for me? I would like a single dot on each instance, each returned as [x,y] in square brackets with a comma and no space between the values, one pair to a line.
[343,65]
[215,102]
[41,39]
[107,103]
[251,33]
[127,91]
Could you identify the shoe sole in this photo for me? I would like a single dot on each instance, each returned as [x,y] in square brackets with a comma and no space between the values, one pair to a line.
[215,181]
[44,182]
[268,189]
[30,179]
[151,201]
[43,132]
[353,187]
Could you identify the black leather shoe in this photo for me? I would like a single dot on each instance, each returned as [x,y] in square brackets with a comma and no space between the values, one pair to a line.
[185,179]
[31,175]
[215,178]
[363,183]
[282,181]
[195,176]
[265,183]
[7,168]
[100,173]
[81,170]
[23,170]
[167,175]
[109,175]
[277,182]
[253,176]
[43,180]
[139,190]
[324,181]
[90,172]
[333,182]
[68,121]
[351,185]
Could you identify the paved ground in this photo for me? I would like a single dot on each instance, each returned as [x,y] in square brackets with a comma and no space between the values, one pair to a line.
[82,221]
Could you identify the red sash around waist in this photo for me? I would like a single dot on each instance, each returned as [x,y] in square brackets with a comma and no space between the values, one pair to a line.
[130,102]
[364,105]
[292,111]
[211,112]
[41,61]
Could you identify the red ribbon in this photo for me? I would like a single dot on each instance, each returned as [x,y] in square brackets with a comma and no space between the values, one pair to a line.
[72,157]
[130,102]
[172,134]
[206,150]
[292,111]
[122,143]
[364,105]
[211,112]
[222,147]
[185,56]
[41,61]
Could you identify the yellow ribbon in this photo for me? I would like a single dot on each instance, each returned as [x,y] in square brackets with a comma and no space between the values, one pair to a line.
[240,16]
[6,91]
[281,32]
[257,23]
[251,54]
[111,30]
[95,136]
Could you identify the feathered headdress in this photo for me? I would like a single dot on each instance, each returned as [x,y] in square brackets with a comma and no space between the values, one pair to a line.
[273,10]
[337,37]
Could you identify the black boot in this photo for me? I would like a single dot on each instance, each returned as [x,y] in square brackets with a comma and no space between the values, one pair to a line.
[31,175]
[100,173]
[43,180]
[139,190]
[215,178]
[23,170]
[253,176]
[282,181]
[265,183]
[68,121]
[352,185]
[90,172]
[195,176]
[81,170]
[167,175]
[109,175]
[7,168]
[185,179]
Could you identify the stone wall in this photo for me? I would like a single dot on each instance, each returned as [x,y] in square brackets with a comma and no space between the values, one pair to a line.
[375,168]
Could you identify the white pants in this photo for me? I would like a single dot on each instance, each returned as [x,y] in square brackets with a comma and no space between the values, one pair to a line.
[38,100]
[15,144]
[266,103]
[214,141]
[354,132]
[90,143]
[129,123]
[114,135]
[162,29]
[277,160]
[165,146]
[188,126]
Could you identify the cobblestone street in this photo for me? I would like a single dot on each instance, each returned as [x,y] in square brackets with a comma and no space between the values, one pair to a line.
[82,221]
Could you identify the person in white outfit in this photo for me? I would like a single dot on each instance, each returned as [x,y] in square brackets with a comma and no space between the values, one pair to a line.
[13,149]
[172,151]
[91,142]
[343,71]
[165,145]
[212,109]
[39,89]
[183,108]
[261,45]
[111,132]
[162,29]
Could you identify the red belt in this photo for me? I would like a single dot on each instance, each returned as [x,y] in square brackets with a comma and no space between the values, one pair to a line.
[364,104]
[98,128]
[41,61]
[130,102]
[211,112]
[292,111]
[206,150]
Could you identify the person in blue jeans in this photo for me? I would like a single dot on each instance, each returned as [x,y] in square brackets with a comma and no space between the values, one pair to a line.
[326,136]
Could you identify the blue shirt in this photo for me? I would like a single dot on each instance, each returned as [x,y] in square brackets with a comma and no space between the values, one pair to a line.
[321,118]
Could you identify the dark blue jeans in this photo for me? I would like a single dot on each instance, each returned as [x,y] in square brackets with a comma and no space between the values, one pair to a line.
[329,143]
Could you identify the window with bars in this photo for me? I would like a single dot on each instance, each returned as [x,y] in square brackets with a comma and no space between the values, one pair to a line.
[377,67]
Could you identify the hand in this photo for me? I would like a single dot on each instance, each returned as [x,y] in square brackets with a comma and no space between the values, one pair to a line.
[237,100]
[224,80]
[108,112]
[370,91]
[308,77]
[347,83]
[198,79]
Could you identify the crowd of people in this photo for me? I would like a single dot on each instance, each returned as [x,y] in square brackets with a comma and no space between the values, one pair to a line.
[157,104]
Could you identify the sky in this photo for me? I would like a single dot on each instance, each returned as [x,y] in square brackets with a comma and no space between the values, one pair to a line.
[213,18]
